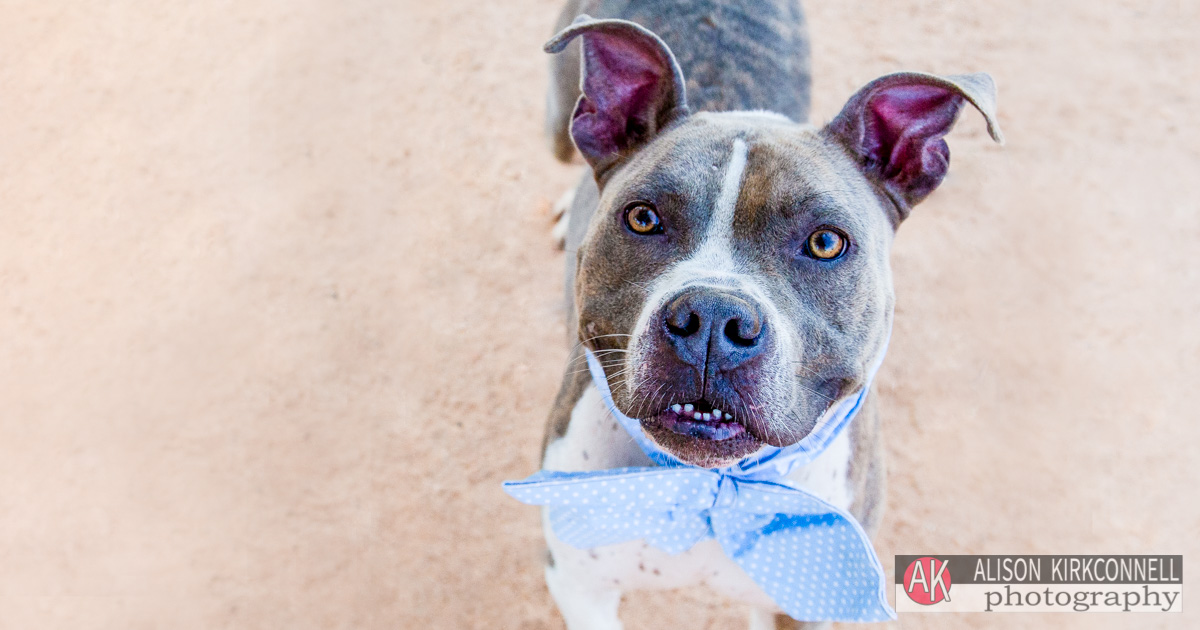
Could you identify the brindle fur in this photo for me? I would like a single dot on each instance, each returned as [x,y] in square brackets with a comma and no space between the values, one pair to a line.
[735,55]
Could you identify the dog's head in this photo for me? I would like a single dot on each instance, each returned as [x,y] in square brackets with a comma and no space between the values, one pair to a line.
[734,281]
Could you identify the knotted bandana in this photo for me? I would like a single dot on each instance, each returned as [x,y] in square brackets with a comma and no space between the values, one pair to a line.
[812,558]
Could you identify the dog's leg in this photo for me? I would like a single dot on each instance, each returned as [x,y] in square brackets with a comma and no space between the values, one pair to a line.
[763,619]
[561,213]
[572,213]
[583,606]
[581,435]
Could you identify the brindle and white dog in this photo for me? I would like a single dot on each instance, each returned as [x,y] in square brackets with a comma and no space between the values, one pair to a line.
[727,262]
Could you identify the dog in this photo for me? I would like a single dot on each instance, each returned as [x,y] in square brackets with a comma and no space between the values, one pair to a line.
[728,263]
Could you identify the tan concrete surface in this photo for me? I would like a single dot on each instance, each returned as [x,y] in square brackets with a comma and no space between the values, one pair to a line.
[279,310]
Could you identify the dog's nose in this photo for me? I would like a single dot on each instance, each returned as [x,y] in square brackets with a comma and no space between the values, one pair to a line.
[713,328]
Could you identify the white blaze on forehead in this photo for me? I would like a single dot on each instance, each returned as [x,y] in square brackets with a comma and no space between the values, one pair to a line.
[722,217]
[715,252]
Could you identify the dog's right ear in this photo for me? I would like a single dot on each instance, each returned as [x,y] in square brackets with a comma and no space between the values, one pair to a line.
[631,86]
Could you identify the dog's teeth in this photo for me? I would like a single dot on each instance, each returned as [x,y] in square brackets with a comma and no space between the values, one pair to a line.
[697,415]
[677,407]
[717,414]
[729,416]
[707,417]
[688,407]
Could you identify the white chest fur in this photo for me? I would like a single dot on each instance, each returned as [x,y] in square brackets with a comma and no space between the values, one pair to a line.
[589,581]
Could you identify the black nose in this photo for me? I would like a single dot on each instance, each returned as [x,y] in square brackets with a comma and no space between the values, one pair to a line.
[714,328]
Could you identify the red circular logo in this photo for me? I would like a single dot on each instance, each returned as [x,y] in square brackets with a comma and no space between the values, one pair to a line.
[927,581]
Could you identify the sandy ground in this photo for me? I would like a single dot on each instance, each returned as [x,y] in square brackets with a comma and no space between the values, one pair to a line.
[279,309]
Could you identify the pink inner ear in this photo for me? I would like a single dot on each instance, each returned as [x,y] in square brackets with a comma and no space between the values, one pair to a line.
[904,126]
[623,81]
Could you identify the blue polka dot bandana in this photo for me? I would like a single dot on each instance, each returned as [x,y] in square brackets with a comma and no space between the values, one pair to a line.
[811,557]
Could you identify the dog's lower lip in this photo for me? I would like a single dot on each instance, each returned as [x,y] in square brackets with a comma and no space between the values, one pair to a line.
[700,420]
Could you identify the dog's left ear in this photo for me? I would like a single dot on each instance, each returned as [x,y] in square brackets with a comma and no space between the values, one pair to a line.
[632,88]
[895,126]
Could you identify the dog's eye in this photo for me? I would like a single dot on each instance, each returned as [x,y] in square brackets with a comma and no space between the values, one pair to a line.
[826,244]
[642,218]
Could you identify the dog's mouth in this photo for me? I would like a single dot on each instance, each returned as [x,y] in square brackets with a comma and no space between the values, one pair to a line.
[701,434]
[699,419]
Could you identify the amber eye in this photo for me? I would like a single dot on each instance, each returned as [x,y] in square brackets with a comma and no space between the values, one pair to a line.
[643,219]
[826,244]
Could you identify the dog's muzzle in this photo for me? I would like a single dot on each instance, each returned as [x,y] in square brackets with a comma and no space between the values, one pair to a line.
[703,370]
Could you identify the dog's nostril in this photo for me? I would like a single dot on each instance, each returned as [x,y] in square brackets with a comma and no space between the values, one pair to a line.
[690,327]
[741,332]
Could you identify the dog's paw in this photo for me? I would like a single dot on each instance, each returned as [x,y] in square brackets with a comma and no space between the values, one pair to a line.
[561,213]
